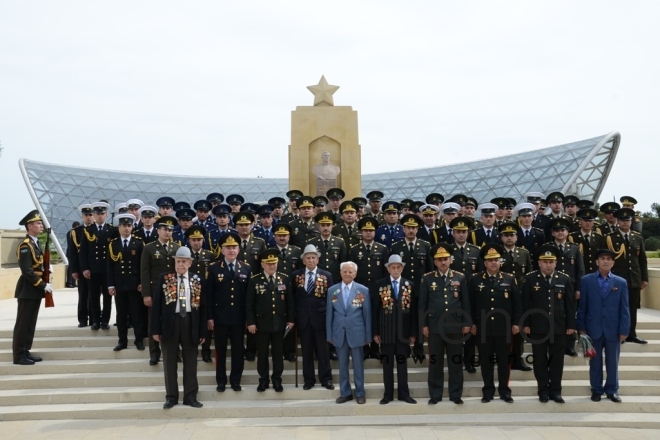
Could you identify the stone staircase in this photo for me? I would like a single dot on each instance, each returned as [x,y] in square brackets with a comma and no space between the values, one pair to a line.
[82,378]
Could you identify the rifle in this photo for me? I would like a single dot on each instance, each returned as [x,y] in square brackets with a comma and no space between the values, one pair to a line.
[45,276]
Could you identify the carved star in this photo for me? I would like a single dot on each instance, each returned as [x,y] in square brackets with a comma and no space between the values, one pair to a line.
[323,92]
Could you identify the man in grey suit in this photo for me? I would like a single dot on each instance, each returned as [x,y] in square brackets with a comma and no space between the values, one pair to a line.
[348,326]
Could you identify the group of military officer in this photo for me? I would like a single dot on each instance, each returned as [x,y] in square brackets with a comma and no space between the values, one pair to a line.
[251,257]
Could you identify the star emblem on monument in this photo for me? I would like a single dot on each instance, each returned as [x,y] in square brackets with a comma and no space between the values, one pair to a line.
[323,92]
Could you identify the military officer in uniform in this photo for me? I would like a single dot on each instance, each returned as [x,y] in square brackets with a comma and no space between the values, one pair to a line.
[375,201]
[134,206]
[215,199]
[428,231]
[147,233]
[529,237]
[235,201]
[444,233]
[496,307]
[30,289]
[556,201]
[361,203]
[270,311]
[265,228]
[335,197]
[630,202]
[541,220]
[610,225]
[470,208]
[304,228]
[547,297]
[501,203]
[226,295]
[320,202]
[203,211]
[250,246]
[444,309]
[185,219]
[588,239]
[74,239]
[333,249]
[630,263]
[571,209]
[278,204]
[165,206]
[222,226]
[293,213]
[390,231]
[348,228]
[487,233]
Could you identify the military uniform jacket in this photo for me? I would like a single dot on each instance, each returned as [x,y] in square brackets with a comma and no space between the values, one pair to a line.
[606,228]
[251,253]
[179,237]
[302,232]
[141,234]
[588,250]
[288,218]
[548,229]
[213,237]
[331,257]
[31,262]
[630,262]
[571,263]
[155,261]
[226,295]
[440,235]
[291,260]
[387,237]
[479,237]
[350,238]
[534,240]
[94,248]
[371,265]
[418,262]
[201,262]
[392,312]
[556,299]
[437,298]
[123,270]
[487,296]
[519,265]
[427,234]
[575,225]
[541,221]
[165,298]
[261,233]
[380,217]
[73,242]
[311,306]
[468,261]
[269,307]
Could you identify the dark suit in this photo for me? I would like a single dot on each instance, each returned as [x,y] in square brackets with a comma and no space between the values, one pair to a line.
[310,318]
[93,254]
[175,331]
[73,241]
[541,221]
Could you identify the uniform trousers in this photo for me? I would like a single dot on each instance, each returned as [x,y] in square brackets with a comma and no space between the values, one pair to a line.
[634,298]
[437,349]
[129,301]
[612,351]
[274,340]
[395,354]
[469,351]
[98,287]
[83,302]
[181,335]
[492,350]
[548,363]
[154,346]
[206,346]
[517,349]
[571,339]
[26,321]
[250,344]
[289,344]
[310,338]
[233,334]
[357,355]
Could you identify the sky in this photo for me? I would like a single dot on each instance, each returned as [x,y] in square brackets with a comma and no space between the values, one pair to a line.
[206,87]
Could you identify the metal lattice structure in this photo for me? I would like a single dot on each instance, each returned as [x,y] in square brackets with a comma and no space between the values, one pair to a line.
[579,168]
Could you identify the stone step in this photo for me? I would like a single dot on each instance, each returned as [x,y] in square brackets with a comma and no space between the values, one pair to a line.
[577,411]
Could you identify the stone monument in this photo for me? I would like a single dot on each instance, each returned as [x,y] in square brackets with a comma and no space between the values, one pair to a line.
[324,151]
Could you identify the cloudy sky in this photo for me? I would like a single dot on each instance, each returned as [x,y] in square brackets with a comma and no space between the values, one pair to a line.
[206,88]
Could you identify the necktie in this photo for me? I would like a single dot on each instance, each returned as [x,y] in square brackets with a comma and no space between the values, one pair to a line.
[462,252]
[395,285]
[488,233]
[586,239]
[625,237]
[350,230]
[451,232]
[511,254]
[561,249]
[347,293]
[391,231]
[266,233]
[196,257]
[411,248]
[325,243]
[284,254]
[125,245]
[547,279]
[100,228]
[368,248]
[526,234]
[444,279]
[310,281]
[271,283]
[244,245]
[182,297]
[147,234]
[231,270]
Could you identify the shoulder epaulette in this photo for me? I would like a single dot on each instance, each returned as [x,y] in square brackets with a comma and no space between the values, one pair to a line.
[634,232]
[424,241]
[429,273]
[283,274]
[563,273]
[26,240]
[538,229]
[350,248]
[255,275]
[295,247]
[460,273]
[532,272]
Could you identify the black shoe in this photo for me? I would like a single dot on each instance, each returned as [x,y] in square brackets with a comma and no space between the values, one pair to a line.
[433,401]
[595,397]
[365,356]
[278,387]
[470,369]
[419,357]
[614,398]
[24,361]
[558,398]
[220,388]
[169,404]
[194,404]
[458,401]
[95,326]
[570,352]
[308,386]
[636,340]
[120,347]
[262,387]
[179,360]
[407,399]
[290,357]
[507,398]
[385,401]
[344,399]
[139,345]
[105,326]
[333,357]
[329,386]
[207,358]
[486,399]
[153,360]
[33,358]
[521,367]
[129,326]
[249,357]
[543,399]
[236,387]
[81,325]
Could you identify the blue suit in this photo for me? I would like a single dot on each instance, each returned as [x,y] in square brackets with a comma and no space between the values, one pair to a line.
[348,327]
[604,319]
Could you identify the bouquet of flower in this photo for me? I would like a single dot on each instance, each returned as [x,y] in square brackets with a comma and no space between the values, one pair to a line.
[586,346]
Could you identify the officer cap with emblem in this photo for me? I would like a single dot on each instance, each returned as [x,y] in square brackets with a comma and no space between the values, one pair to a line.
[367,223]
[348,206]
[221,209]
[167,221]
[429,209]
[584,204]
[215,198]
[32,216]
[202,205]
[461,199]
[472,201]
[609,207]
[543,203]
[305,202]
[487,208]
[491,251]
[100,207]
[560,223]
[282,229]
[181,205]
[555,197]
[244,218]
[416,205]
[508,227]
[624,214]
[277,202]
[405,203]
[165,202]
[571,200]
[324,218]
[524,209]
[628,201]
[511,202]
[185,214]
[320,201]
[196,231]
[395,259]
[269,256]
[335,193]
[229,239]
[441,250]
[294,194]
[147,211]
[547,252]
[360,201]
[126,218]
[85,208]
[534,197]
[587,214]
[435,198]
[265,211]
[250,207]
[501,202]
[121,208]
[134,203]
[375,196]
[411,220]
[461,223]
[390,206]
[235,199]
[450,208]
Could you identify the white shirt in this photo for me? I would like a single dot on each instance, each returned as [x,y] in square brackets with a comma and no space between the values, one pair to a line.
[186,284]
[310,273]
[526,230]
[36,241]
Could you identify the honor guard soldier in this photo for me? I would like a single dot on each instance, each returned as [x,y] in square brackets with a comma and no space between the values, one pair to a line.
[156,260]
[496,307]
[529,237]
[375,200]
[630,202]
[215,199]
[394,328]
[293,213]
[610,224]
[571,209]
[265,228]
[444,233]
[390,231]
[185,219]
[73,240]
[555,201]
[201,260]
[570,262]
[320,202]
[304,228]
[30,289]
[370,258]
[629,263]
[235,201]
[588,240]
[415,253]
[487,233]
[250,246]
[549,310]
[348,228]
[444,309]
[428,231]
[278,204]
[165,206]
[333,249]
[124,255]
[147,233]
[93,256]
[270,311]
[226,295]
[203,211]
[335,197]
[361,204]
[517,262]
[134,206]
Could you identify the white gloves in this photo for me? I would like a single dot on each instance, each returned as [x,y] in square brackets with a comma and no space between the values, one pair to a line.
[49,288]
